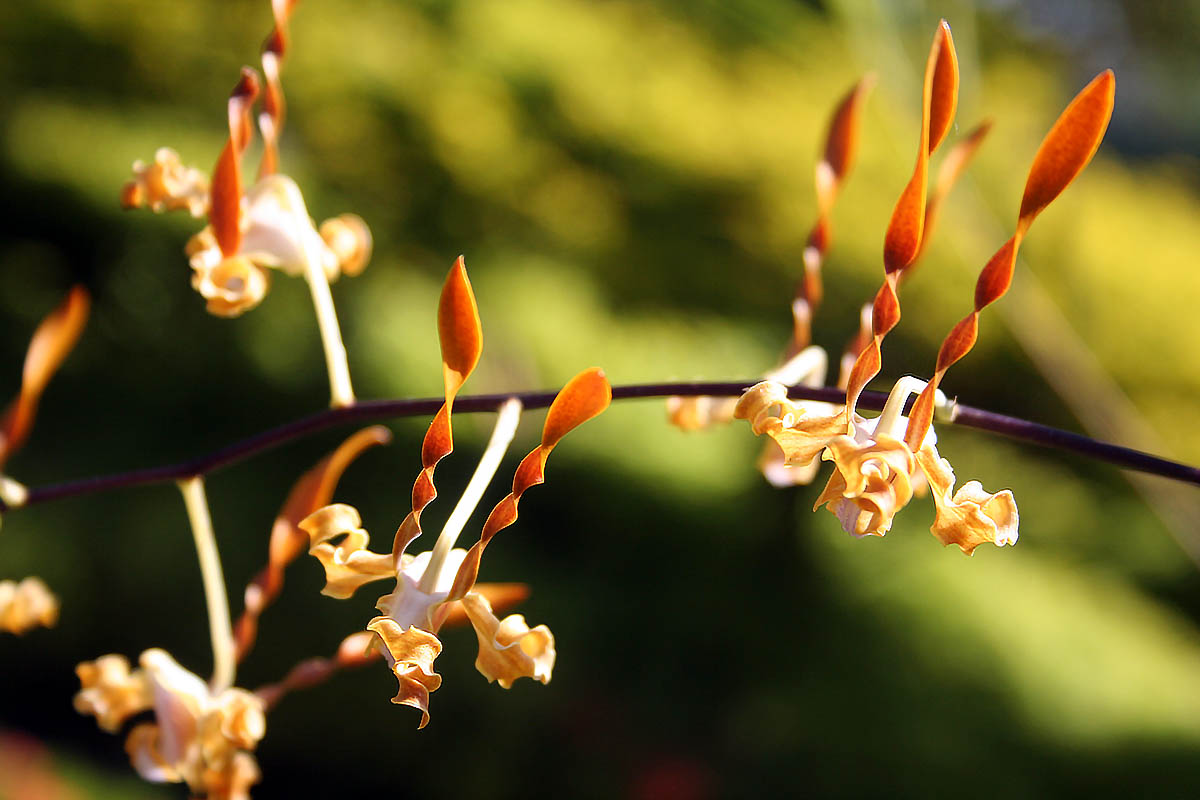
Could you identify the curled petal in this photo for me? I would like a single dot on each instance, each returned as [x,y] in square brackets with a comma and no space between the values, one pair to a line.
[232,779]
[241,718]
[144,748]
[231,286]
[411,653]
[509,648]
[349,239]
[348,564]
[801,434]
[166,185]
[26,605]
[774,467]
[110,692]
[53,340]
[181,701]
[972,516]
[871,483]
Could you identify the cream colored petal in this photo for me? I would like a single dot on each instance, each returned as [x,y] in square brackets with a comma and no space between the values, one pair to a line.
[278,231]
[231,780]
[509,648]
[407,605]
[241,718]
[411,653]
[167,185]
[26,605]
[773,465]
[181,700]
[349,239]
[874,479]
[802,430]
[971,516]
[111,692]
[143,747]
[348,564]
[231,286]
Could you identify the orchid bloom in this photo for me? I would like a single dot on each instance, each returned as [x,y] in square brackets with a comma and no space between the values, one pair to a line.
[432,586]
[199,737]
[879,462]
[264,227]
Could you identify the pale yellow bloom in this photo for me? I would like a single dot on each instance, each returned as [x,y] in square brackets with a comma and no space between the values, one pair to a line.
[413,613]
[26,605]
[277,233]
[875,473]
[198,737]
[167,185]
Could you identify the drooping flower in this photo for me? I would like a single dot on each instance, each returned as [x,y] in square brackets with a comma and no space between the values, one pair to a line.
[199,737]
[433,585]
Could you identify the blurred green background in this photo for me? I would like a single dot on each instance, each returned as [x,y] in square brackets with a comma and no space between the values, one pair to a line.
[631,185]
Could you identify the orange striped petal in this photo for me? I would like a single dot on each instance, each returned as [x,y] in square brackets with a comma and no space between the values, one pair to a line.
[53,340]
[584,397]
[224,211]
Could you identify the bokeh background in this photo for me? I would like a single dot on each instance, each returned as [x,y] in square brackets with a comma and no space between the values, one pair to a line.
[631,185]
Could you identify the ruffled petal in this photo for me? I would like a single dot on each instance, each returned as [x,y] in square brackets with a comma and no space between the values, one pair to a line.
[231,780]
[166,185]
[144,748]
[349,239]
[26,605]
[110,692]
[972,516]
[230,286]
[801,433]
[411,653]
[509,648]
[872,482]
[348,564]
[181,701]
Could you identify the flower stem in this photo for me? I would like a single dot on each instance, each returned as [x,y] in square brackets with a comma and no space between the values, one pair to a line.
[374,410]
[342,394]
[219,625]
[502,436]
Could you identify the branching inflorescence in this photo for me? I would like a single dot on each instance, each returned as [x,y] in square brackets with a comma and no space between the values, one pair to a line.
[204,733]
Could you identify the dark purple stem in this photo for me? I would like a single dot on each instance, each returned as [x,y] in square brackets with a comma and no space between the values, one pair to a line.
[373,410]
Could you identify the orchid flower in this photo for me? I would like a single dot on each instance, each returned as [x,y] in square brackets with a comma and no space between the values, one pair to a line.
[198,737]
[433,585]
[878,463]
[260,228]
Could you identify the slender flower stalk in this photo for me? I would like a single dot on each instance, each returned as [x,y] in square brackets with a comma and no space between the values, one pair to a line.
[502,436]
[219,625]
[373,410]
[341,392]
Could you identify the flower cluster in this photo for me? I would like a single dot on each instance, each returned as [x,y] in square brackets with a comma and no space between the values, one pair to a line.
[199,736]
[880,464]
[432,585]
